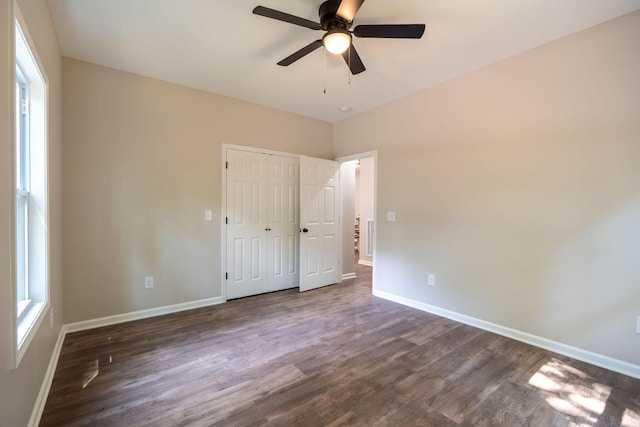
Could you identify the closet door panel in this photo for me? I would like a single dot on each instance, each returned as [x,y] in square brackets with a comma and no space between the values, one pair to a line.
[247,244]
[283,203]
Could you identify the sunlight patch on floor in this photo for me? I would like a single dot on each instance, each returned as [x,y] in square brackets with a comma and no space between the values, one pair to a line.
[630,418]
[92,368]
[91,372]
[571,391]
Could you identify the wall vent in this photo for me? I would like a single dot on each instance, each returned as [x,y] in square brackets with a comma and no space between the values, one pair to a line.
[369,230]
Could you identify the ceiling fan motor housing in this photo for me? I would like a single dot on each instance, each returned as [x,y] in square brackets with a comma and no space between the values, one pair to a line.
[329,18]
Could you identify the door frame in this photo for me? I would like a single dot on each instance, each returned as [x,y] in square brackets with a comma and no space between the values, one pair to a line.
[223,204]
[374,155]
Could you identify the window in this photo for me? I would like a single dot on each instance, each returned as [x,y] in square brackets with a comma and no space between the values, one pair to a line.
[31,208]
[22,195]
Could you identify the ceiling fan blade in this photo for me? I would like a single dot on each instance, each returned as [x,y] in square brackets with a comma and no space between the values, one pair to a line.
[285,17]
[402,31]
[353,60]
[348,9]
[299,54]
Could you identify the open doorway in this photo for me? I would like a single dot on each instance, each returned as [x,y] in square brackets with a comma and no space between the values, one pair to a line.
[358,187]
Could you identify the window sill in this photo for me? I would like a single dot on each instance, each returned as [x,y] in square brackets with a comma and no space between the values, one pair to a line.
[23,308]
[28,324]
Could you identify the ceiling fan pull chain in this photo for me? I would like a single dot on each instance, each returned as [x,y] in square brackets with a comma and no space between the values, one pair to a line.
[349,70]
[324,73]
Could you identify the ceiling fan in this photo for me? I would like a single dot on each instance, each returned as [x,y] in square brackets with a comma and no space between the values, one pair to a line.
[336,17]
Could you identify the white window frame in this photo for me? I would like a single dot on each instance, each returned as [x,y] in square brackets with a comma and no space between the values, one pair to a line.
[30,277]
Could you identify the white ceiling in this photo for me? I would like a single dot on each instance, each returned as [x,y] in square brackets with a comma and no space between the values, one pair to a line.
[220,46]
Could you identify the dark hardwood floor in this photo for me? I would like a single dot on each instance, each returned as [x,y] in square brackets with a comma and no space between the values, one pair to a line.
[328,357]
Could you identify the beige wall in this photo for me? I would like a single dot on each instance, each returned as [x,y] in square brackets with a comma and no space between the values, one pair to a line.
[142,163]
[518,186]
[19,388]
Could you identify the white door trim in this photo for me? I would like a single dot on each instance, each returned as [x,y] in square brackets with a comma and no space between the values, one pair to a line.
[366,154]
[257,150]
[373,153]
[223,228]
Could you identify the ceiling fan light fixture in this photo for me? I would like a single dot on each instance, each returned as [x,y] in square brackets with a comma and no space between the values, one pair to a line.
[337,41]
[336,18]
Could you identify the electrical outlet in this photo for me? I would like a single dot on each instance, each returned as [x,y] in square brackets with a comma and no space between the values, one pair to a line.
[431,279]
[638,325]
[148,282]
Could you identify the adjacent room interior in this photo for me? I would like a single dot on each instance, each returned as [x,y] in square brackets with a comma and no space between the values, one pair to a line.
[209,217]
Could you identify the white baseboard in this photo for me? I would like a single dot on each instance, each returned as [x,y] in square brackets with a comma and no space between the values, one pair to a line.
[348,276]
[365,262]
[41,400]
[600,360]
[138,315]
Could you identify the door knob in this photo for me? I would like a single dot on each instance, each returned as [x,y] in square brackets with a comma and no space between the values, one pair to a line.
[267,229]
[305,230]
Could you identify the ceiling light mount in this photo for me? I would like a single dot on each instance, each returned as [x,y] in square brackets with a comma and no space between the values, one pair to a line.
[329,18]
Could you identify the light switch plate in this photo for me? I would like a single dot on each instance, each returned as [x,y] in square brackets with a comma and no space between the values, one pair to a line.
[391,216]
[208,215]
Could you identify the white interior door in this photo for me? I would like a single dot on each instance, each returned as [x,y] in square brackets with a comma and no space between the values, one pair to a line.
[247,224]
[319,223]
[262,223]
[282,230]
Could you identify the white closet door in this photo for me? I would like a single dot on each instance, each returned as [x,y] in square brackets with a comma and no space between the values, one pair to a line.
[247,224]
[320,239]
[282,234]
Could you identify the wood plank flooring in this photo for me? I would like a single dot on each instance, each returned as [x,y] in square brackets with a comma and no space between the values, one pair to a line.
[329,357]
